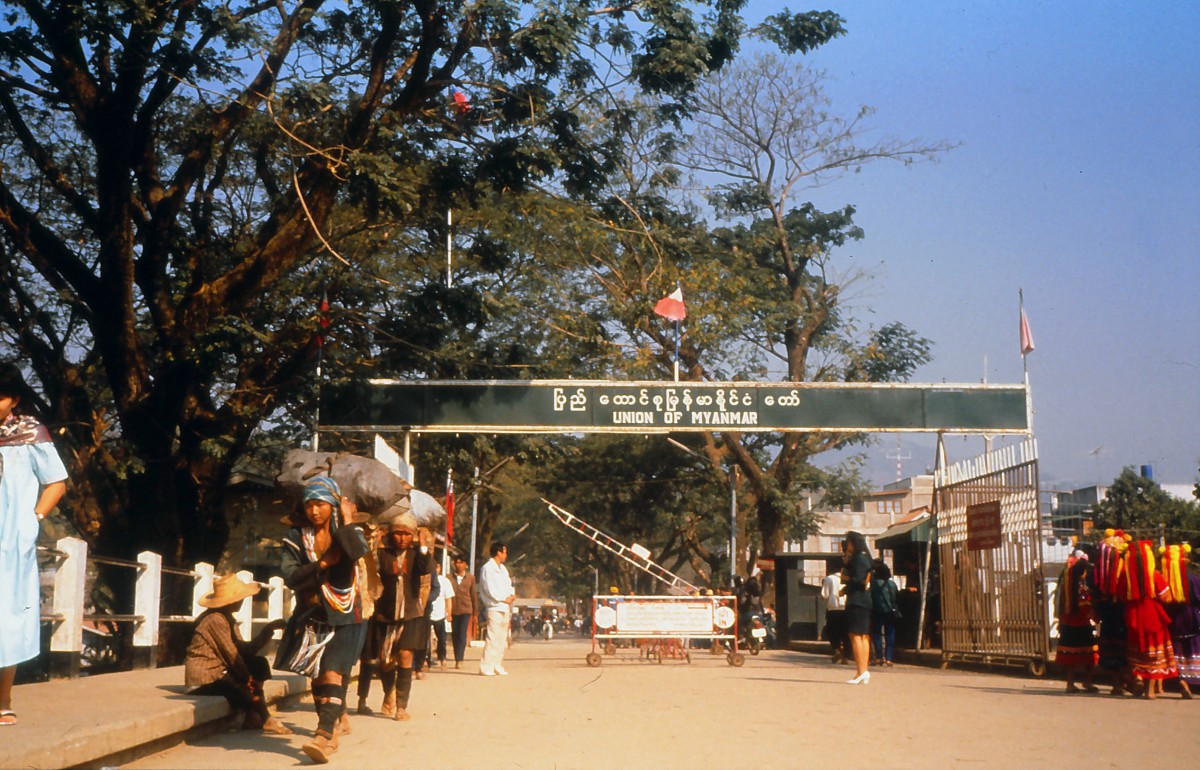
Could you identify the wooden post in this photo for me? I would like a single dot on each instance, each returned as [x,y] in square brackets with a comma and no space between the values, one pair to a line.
[66,643]
[276,601]
[244,614]
[147,603]
[203,587]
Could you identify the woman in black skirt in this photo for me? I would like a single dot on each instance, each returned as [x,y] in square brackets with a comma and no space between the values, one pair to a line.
[856,585]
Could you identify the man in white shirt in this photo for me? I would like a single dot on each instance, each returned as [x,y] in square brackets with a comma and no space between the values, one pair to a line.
[835,610]
[442,610]
[497,594]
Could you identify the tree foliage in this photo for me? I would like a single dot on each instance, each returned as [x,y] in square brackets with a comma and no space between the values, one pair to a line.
[181,180]
[1138,505]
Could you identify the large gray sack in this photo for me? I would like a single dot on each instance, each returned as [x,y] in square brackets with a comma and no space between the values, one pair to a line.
[427,511]
[365,480]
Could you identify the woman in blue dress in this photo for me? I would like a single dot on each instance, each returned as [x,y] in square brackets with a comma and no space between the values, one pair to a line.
[32,481]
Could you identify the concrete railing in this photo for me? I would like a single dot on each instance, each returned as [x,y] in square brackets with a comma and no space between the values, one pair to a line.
[67,611]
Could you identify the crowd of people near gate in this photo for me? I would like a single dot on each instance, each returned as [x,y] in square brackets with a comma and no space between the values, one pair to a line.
[365,594]
[1131,610]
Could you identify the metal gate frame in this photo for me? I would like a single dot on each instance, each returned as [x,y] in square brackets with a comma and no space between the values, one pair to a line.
[993,600]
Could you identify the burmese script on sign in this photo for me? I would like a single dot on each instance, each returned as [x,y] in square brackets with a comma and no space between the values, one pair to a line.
[672,406]
[665,407]
[665,617]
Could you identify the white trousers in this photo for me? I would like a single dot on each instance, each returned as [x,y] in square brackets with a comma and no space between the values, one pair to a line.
[497,638]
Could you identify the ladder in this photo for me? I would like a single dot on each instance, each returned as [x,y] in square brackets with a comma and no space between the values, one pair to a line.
[634,557]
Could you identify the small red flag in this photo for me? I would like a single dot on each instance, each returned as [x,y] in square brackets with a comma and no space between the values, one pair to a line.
[449,506]
[1026,335]
[671,306]
[323,319]
[461,104]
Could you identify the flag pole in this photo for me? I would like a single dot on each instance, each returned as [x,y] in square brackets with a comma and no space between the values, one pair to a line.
[449,521]
[677,351]
[316,439]
[449,248]
[323,325]
[1026,347]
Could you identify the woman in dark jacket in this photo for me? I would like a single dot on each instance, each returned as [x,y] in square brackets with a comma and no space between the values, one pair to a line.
[856,585]
[320,563]
[884,595]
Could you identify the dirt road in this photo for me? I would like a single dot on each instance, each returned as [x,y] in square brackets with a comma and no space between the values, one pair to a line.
[781,710]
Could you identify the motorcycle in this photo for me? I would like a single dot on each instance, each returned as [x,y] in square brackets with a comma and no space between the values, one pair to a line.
[754,634]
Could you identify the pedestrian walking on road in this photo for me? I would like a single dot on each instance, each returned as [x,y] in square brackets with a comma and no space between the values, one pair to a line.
[320,563]
[464,608]
[1183,607]
[497,595]
[856,584]
[398,627]
[426,543]
[32,481]
[219,662]
[835,609]
[1077,651]
[443,610]
[884,611]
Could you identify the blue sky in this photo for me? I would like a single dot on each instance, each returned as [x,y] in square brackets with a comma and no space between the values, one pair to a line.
[1076,178]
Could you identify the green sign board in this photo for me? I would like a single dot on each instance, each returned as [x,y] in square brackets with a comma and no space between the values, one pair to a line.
[590,406]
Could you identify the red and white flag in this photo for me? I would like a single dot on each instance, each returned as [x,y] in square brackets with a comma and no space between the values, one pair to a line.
[449,506]
[323,319]
[671,306]
[1026,335]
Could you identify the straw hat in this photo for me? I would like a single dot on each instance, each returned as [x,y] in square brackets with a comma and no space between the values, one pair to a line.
[229,589]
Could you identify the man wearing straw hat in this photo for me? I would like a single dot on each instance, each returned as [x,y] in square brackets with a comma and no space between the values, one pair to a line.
[220,663]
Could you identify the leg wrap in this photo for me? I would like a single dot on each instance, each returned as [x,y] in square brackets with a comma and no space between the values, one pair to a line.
[403,687]
[330,709]
[366,672]
[387,678]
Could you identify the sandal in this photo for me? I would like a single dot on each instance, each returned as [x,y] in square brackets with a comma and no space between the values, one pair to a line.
[274,727]
[8,718]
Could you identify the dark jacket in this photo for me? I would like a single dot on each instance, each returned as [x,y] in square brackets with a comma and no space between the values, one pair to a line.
[302,574]
[464,594]
[856,581]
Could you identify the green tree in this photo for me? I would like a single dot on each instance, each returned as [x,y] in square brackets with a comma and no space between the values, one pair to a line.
[1141,507]
[182,180]
[765,294]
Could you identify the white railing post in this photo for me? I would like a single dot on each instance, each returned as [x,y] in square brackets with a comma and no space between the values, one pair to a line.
[66,643]
[203,587]
[275,595]
[147,602]
[244,614]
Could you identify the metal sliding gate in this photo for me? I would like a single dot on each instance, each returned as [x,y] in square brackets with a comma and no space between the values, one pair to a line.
[990,550]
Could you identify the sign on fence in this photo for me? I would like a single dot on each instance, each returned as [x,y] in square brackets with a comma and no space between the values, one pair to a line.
[983,526]
[658,617]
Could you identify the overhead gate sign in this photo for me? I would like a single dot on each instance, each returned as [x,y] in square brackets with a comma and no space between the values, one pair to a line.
[589,406]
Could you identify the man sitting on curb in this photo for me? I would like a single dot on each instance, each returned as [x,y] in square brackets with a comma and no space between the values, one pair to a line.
[220,663]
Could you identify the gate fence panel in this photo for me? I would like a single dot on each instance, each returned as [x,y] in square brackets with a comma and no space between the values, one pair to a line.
[993,605]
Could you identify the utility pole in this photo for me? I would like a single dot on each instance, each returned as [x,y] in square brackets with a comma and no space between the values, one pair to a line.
[474,517]
[733,478]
